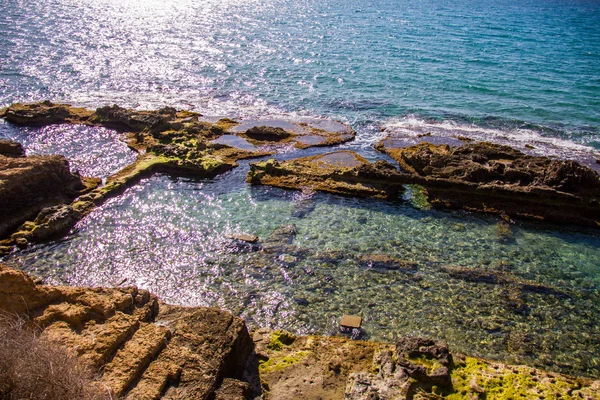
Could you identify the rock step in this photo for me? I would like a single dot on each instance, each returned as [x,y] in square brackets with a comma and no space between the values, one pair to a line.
[160,373]
[97,342]
[134,357]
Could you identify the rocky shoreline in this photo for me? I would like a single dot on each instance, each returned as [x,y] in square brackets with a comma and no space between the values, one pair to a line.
[144,349]
[481,177]
[154,350]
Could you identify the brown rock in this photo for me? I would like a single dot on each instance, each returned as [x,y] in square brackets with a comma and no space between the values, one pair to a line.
[385,262]
[244,237]
[27,184]
[233,389]
[341,172]
[498,179]
[198,353]
[267,133]
[425,360]
[10,148]
[44,113]
[135,121]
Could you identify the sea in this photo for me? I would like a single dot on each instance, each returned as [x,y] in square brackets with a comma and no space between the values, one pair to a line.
[524,73]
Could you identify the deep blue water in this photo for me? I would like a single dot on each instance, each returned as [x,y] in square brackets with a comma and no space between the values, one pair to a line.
[530,68]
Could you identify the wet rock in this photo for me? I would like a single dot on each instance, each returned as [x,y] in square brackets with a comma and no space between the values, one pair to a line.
[504,232]
[267,133]
[10,148]
[135,121]
[27,184]
[301,301]
[283,234]
[342,172]
[53,221]
[44,113]
[425,360]
[499,179]
[287,259]
[501,277]
[244,237]
[239,246]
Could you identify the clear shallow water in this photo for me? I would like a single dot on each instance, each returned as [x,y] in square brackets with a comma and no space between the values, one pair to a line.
[170,236]
[523,73]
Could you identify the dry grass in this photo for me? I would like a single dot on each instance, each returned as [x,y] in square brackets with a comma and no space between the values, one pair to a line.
[33,368]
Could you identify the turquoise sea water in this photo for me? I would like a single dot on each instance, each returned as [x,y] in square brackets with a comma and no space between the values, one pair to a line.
[523,73]
[510,65]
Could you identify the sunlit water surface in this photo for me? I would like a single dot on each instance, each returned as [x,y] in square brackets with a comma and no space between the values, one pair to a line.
[523,73]
[93,151]
[170,235]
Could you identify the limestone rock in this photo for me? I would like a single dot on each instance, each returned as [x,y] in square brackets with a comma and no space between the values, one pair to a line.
[142,351]
[341,172]
[268,133]
[385,262]
[425,360]
[27,184]
[499,179]
[135,121]
[44,113]
[386,383]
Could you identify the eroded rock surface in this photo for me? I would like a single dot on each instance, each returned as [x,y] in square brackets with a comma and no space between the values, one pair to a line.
[176,142]
[317,367]
[341,172]
[494,178]
[11,148]
[28,184]
[142,350]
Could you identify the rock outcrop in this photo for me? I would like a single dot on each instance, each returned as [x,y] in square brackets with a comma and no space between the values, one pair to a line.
[493,178]
[176,142]
[341,172]
[11,148]
[170,126]
[316,367]
[28,184]
[142,349]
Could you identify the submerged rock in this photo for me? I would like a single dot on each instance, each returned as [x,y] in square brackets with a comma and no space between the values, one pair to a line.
[341,172]
[302,135]
[499,179]
[385,262]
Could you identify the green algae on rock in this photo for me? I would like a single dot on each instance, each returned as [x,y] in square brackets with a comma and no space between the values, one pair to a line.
[176,142]
[29,184]
[341,172]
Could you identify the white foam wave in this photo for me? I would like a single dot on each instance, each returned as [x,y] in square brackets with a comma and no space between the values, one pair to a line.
[527,140]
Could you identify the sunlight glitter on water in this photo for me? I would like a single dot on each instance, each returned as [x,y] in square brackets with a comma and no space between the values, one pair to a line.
[169,235]
[93,151]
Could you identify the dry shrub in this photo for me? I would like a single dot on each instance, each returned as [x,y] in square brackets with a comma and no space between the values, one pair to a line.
[34,368]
